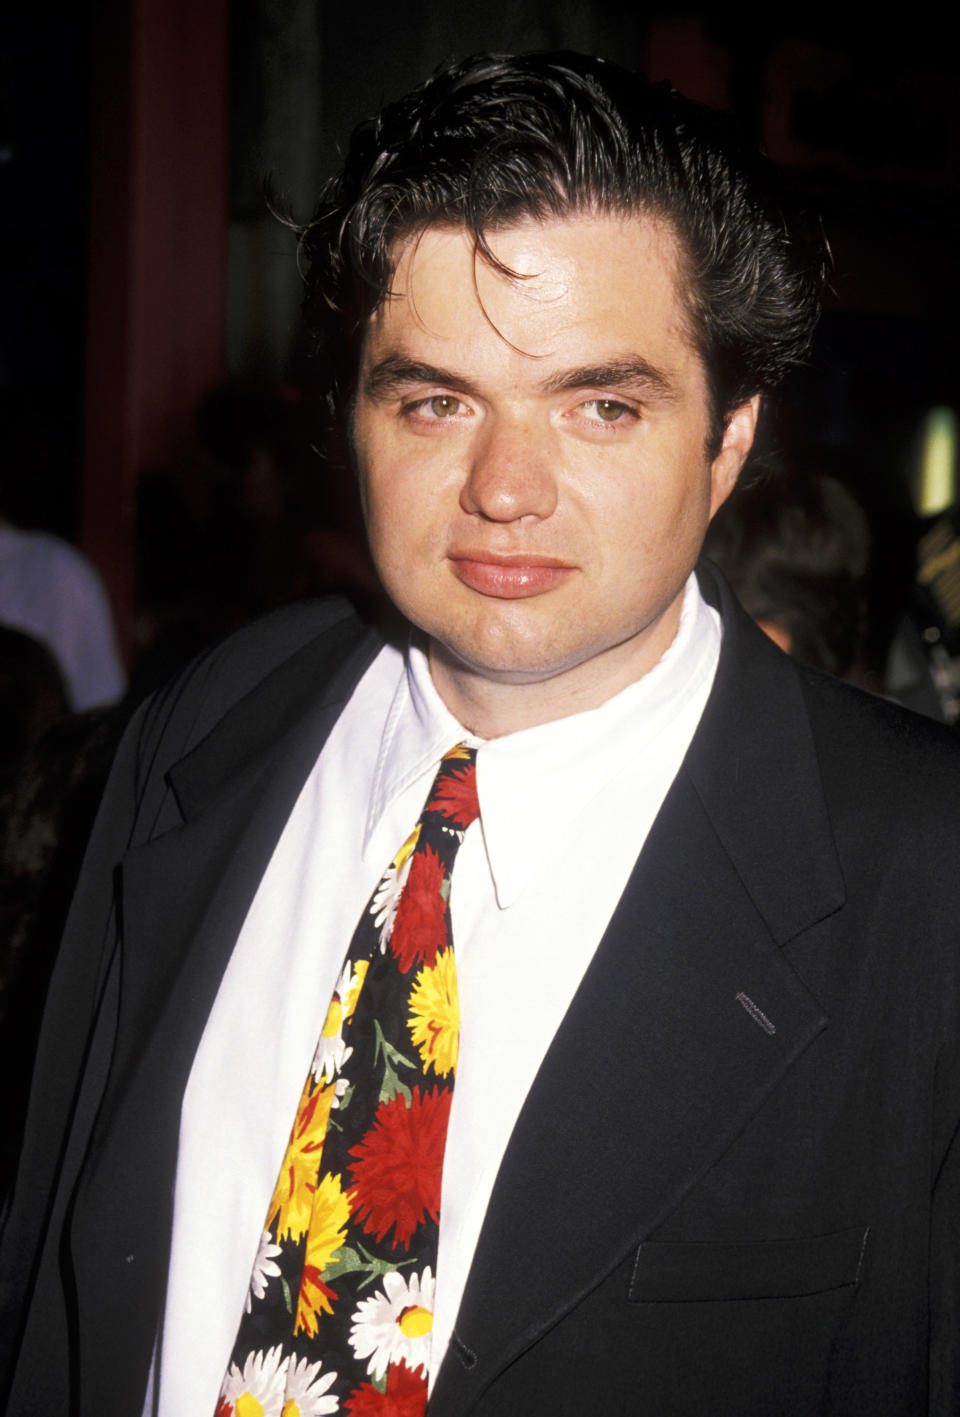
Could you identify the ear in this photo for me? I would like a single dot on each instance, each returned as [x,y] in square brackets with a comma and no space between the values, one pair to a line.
[737,442]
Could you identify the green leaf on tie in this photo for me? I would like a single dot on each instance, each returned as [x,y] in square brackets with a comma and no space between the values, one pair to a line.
[391,1084]
[347,1260]
[391,1054]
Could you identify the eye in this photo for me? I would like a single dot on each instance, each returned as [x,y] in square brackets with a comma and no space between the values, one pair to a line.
[426,414]
[440,406]
[607,410]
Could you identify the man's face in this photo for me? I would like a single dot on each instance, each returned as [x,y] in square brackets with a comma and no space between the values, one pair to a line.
[532,455]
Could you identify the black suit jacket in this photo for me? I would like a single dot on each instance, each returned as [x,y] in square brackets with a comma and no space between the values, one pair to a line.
[733,1187]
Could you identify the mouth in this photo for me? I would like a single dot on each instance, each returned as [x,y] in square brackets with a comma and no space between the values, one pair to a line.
[509,576]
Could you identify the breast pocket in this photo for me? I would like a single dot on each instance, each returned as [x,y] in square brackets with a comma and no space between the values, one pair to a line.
[684,1271]
[746,1328]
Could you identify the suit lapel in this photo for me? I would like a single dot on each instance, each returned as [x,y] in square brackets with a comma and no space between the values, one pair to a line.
[232,795]
[230,799]
[686,1021]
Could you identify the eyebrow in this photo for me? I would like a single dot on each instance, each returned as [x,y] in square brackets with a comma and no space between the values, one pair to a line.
[395,373]
[632,373]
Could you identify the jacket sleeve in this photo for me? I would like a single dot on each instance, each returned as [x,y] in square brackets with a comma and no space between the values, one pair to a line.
[71,1055]
[78,1033]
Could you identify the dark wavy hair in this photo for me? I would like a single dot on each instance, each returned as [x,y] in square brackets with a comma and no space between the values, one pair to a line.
[491,140]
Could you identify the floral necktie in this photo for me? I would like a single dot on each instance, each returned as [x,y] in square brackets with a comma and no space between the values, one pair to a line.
[340,1307]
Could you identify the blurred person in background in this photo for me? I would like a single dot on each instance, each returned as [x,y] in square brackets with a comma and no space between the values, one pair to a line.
[48,588]
[795,548]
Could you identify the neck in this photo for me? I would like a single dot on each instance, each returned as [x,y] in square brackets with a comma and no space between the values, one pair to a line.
[492,708]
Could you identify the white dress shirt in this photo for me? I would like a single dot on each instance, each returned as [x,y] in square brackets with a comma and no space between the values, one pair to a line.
[564,811]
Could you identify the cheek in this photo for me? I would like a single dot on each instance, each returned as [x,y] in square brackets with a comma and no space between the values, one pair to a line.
[634,513]
[381,490]
[655,527]
[402,530]
[410,503]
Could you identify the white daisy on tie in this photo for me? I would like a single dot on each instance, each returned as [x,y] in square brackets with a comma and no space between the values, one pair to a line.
[386,897]
[257,1388]
[264,1268]
[395,1323]
[306,1394]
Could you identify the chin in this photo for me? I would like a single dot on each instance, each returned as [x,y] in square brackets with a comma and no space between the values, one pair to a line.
[505,659]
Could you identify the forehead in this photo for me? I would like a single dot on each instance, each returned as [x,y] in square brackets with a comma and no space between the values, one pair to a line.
[591,282]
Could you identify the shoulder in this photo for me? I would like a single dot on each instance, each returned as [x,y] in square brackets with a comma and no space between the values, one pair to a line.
[48,553]
[890,779]
[236,664]
[788,758]
[180,715]
[866,747]
[886,748]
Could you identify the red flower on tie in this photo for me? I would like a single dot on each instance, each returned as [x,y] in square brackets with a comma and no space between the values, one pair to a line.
[421,923]
[456,796]
[406,1395]
[395,1180]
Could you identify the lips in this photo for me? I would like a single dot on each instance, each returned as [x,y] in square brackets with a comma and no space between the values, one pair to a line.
[514,576]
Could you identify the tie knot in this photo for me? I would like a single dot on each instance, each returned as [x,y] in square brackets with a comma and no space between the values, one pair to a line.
[453,796]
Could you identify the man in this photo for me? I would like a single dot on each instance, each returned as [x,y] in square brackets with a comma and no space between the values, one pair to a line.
[702,1148]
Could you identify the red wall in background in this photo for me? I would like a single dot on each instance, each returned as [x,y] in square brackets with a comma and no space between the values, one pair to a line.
[159,206]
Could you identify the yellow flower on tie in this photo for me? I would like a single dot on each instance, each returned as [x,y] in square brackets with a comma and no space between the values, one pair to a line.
[331,1211]
[356,984]
[434,1018]
[293,1194]
[332,1051]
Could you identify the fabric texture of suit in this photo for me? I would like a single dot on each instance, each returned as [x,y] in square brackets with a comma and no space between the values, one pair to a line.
[735,1184]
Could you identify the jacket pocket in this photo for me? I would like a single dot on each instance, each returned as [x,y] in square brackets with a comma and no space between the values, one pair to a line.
[697,1271]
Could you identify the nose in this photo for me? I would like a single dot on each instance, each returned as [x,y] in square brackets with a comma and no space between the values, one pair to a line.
[511,472]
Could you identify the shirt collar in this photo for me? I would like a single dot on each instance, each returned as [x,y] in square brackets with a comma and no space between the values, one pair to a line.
[534,784]
[419,729]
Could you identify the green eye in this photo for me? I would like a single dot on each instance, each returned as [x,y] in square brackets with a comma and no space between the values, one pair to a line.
[609,410]
[444,406]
